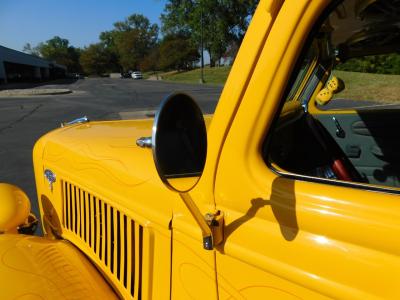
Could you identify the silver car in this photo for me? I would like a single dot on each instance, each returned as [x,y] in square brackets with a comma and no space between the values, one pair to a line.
[137,75]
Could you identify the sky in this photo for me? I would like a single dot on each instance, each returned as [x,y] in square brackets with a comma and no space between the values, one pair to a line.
[79,21]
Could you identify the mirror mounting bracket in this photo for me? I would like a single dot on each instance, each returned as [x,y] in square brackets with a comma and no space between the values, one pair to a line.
[211,225]
[216,223]
[144,142]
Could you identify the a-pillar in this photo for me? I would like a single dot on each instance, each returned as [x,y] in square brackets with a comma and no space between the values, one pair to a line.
[3,75]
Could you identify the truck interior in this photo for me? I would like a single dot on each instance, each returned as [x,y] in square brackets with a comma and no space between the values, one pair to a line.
[347,133]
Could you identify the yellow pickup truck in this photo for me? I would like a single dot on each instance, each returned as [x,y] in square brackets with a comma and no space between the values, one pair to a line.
[278,195]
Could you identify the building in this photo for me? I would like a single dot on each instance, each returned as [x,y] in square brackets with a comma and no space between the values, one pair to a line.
[16,66]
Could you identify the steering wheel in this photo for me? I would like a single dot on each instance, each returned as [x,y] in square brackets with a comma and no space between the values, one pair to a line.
[339,165]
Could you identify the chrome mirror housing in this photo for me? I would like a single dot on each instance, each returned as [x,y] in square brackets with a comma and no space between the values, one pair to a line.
[179,142]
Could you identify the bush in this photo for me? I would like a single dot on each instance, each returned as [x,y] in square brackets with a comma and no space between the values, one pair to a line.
[379,64]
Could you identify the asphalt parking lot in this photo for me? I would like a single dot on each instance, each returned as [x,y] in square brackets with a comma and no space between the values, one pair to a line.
[24,119]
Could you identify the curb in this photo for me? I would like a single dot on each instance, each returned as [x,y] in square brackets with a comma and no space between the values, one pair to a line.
[33,92]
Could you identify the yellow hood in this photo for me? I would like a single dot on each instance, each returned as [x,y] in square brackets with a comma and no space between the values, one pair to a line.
[107,149]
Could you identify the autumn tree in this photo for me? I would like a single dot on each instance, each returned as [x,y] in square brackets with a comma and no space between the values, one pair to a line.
[177,52]
[96,59]
[151,60]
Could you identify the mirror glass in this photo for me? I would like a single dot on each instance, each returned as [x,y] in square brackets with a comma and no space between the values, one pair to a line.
[179,142]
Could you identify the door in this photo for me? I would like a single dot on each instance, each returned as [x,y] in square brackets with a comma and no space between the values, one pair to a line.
[295,229]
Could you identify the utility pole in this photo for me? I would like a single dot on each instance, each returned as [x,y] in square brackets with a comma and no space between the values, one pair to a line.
[201,44]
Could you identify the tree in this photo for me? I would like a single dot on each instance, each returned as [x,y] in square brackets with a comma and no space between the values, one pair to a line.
[151,60]
[29,50]
[381,64]
[108,42]
[231,52]
[221,21]
[131,40]
[238,14]
[96,59]
[177,53]
[59,50]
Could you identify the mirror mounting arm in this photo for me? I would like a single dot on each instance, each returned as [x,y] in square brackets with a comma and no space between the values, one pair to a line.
[211,225]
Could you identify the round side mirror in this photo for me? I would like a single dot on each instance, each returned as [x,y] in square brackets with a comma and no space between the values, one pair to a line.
[179,142]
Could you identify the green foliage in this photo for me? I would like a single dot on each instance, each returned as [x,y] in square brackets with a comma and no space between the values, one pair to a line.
[96,59]
[151,61]
[107,38]
[131,40]
[380,64]
[59,50]
[177,53]
[221,22]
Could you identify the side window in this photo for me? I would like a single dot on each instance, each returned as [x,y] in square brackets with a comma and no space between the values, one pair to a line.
[350,75]
[370,81]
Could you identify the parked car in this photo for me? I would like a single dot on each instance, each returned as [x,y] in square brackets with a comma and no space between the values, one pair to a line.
[137,75]
[275,196]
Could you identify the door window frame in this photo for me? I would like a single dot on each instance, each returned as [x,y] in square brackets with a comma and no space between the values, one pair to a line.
[293,94]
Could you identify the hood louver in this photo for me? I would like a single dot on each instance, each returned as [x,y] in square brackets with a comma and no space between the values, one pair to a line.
[113,238]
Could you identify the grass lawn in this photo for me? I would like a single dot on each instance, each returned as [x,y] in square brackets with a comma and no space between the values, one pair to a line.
[359,86]
[373,87]
[215,76]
